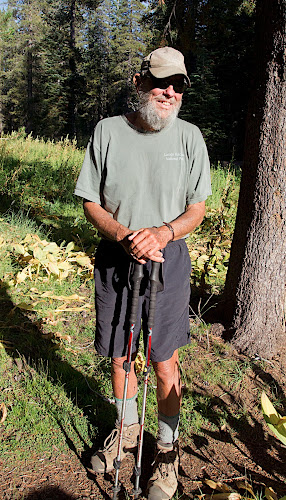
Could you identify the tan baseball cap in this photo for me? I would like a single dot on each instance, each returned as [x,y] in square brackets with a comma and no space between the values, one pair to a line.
[164,62]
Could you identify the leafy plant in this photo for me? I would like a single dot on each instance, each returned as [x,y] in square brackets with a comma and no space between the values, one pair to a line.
[209,245]
[275,422]
[36,255]
[242,489]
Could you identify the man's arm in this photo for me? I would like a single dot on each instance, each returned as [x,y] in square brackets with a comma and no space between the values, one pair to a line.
[113,230]
[148,241]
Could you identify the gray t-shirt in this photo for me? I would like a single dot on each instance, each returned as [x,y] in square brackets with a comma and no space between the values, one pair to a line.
[144,178]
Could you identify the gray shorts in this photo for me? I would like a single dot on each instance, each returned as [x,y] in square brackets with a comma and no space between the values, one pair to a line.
[112,302]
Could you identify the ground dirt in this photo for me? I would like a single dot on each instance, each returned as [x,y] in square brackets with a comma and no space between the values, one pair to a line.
[242,448]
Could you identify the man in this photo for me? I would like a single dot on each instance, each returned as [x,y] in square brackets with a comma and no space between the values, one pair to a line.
[144,180]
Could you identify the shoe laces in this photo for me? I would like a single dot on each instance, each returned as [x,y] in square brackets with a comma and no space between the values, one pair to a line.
[165,462]
[110,440]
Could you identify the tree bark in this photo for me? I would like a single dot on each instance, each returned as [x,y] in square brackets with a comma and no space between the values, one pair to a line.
[255,284]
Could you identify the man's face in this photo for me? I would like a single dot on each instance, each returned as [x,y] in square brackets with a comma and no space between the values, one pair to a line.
[160,100]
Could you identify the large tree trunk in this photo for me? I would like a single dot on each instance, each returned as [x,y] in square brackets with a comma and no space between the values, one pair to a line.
[255,285]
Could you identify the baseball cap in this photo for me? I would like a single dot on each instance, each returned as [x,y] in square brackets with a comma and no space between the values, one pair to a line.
[164,62]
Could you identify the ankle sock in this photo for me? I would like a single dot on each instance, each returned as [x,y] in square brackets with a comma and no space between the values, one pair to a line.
[131,412]
[168,428]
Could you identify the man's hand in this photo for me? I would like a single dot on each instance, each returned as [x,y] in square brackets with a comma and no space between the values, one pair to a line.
[147,243]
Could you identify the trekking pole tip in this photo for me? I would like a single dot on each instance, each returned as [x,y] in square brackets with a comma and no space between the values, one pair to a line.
[136,492]
[116,490]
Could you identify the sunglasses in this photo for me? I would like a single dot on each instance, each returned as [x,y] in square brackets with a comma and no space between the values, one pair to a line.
[179,84]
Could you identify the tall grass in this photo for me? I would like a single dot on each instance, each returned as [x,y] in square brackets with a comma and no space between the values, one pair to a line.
[223,181]
[39,177]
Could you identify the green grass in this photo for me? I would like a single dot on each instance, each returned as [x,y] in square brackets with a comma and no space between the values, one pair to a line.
[38,412]
[51,381]
[38,177]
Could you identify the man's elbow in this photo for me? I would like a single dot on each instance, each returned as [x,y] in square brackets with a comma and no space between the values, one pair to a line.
[87,208]
[198,211]
[202,213]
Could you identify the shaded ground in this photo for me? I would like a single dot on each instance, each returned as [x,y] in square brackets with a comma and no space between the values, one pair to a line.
[241,448]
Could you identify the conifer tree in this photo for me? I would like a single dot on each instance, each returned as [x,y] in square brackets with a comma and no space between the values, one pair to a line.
[216,38]
[6,36]
[20,89]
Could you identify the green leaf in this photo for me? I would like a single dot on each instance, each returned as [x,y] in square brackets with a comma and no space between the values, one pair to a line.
[70,247]
[19,249]
[25,306]
[273,419]
[39,254]
[52,248]
[83,261]
[53,268]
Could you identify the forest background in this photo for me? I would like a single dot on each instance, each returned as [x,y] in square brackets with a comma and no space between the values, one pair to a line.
[67,64]
[64,66]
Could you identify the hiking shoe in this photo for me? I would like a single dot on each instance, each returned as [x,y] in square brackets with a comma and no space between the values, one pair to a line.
[164,481]
[102,460]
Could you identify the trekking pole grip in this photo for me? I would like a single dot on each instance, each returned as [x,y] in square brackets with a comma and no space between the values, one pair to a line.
[155,282]
[136,277]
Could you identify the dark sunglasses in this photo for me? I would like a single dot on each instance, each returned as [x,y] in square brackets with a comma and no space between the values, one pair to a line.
[179,84]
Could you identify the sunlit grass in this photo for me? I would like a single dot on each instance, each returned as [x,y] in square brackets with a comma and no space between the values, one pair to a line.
[53,384]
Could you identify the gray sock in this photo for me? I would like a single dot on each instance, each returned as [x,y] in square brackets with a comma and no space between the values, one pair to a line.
[131,413]
[168,428]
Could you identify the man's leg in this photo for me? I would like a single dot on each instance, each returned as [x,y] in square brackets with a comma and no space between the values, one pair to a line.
[164,480]
[168,385]
[103,460]
[118,376]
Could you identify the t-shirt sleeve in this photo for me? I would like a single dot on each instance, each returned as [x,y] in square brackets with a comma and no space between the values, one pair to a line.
[199,179]
[89,180]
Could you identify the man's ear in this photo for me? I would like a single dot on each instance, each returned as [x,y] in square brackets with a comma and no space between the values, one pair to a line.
[137,80]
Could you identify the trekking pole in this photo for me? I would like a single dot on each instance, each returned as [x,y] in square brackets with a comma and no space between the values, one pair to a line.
[155,282]
[136,277]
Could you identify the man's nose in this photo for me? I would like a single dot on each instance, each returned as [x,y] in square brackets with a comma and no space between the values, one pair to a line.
[169,91]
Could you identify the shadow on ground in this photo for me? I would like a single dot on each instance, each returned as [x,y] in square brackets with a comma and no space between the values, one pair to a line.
[222,453]
[23,339]
[57,226]
[49,493]
[244,446]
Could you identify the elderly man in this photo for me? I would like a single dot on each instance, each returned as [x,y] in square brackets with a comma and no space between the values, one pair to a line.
[144,181]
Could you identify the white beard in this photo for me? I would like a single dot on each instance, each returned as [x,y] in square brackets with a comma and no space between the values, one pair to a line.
[150,114]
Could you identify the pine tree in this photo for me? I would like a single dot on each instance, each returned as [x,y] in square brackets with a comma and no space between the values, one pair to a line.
[127,49]
[71,63]
[21,78]
[6,36]
[255,298]
[216,38]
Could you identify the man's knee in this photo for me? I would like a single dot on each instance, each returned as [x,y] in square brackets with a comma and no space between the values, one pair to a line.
[117,363]
[167,370]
